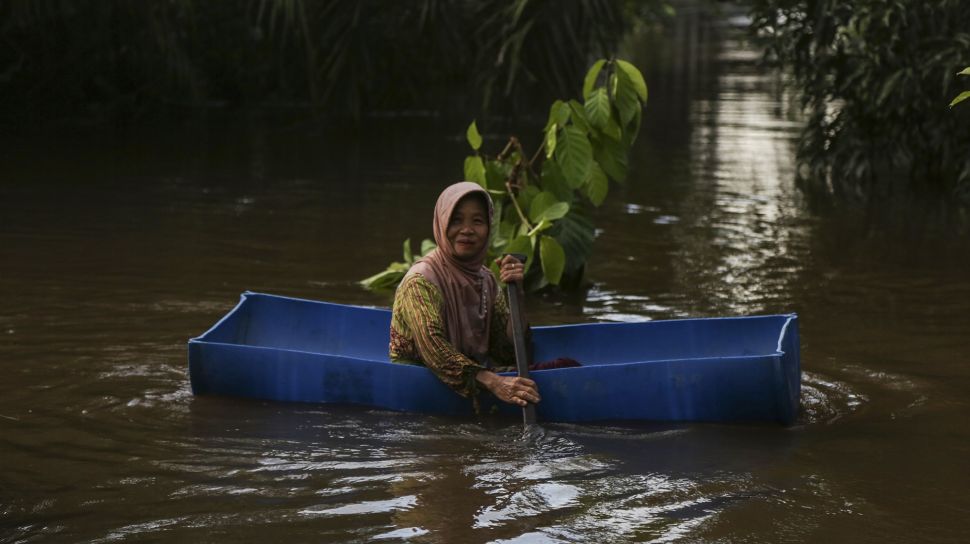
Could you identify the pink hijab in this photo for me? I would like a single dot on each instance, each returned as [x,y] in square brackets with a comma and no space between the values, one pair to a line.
[468,287]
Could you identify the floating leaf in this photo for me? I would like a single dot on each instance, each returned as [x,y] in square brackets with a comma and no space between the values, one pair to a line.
[473,137]
[590,80]
[475,170]
[553,259]
[639,85]
[597,108]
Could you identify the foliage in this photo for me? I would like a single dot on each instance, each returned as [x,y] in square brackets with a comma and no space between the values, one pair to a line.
[543,200]
[343,57]
[874,76]
[965,94]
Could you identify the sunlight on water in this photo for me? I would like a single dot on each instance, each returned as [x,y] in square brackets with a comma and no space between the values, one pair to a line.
[826,400]
[369,507]
[746,155]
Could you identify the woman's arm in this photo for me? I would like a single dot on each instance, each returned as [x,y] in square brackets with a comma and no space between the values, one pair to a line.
[501,346]
[417,309]
[510,389]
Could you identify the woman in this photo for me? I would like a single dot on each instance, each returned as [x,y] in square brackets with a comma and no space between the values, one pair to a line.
[449,313]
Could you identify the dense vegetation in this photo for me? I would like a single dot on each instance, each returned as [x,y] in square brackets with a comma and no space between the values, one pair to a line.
[342,57]
[543,199]
[876,77]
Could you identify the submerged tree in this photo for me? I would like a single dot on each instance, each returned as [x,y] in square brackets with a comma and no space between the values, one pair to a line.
[875,78]
[543,199]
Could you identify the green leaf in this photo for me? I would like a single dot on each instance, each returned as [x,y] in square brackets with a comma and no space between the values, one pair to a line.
[496,173]
[574,154]
[632,129]
[523,245]
[597,108]
[505,232]
[385,280]
[542,226]
[427,246]
[408,256]
[475,170]
[576,234]
[578,116]
[597,185]
[553,259]
[551,140]
[612,158]
[547,206]
[539,204]
[558,114]
[498,205]
[556,211]
[635,77]
[612,129]
[964,72]
[590,80]
[625,97]
[525,197]
[960,98]
[553,181]
[473,137]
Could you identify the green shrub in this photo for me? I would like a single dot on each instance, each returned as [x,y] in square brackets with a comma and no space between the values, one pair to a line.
[542,200]
[875,77]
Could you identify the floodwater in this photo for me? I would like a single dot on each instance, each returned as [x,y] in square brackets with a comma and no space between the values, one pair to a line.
[116,249]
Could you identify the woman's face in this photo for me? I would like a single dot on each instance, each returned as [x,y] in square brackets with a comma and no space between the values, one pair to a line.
[468,228]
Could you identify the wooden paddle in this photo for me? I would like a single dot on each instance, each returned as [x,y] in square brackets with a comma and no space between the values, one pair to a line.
[518,339]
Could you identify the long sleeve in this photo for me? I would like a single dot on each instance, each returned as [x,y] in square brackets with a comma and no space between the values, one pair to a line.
[500,345]
[418,336]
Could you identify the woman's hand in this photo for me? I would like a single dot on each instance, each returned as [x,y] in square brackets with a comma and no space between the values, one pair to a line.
[510,389]
[510,269]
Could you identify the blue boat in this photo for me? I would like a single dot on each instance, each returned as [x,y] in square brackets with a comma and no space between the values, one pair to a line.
[713,369]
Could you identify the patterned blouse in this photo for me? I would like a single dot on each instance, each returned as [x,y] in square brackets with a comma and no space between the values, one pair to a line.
[418,336]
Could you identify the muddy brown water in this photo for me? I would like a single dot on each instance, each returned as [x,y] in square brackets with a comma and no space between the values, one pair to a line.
[115,249]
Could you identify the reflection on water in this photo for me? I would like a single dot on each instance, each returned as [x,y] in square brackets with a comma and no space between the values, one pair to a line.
[115,251]
[825,401]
